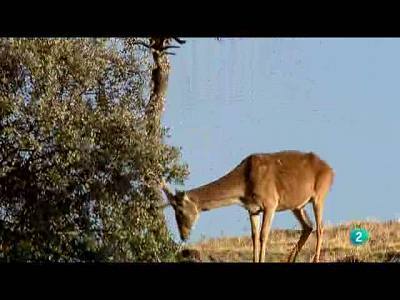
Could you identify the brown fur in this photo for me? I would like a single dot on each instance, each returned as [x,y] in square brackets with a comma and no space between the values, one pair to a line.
[266,183]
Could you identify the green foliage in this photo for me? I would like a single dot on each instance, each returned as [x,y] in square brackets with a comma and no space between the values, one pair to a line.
[77,166]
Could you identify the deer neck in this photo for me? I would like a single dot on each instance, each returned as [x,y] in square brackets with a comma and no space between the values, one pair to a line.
[225,191]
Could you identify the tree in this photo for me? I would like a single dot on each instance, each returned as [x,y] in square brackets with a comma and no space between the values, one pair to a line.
[81,151]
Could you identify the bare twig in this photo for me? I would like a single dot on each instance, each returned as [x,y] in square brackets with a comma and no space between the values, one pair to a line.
[142,44]
[180,41]
[170,47]
[156,46]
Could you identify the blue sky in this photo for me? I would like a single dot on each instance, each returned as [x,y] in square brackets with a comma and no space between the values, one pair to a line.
[337,97]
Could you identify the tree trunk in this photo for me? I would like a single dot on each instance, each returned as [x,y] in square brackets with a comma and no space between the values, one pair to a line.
[156,103]
[159,78]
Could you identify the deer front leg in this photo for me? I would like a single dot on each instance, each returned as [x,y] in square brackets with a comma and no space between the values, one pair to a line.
[265,229]
[255,235]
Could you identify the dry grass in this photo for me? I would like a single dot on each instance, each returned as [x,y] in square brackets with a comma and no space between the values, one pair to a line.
[383,244]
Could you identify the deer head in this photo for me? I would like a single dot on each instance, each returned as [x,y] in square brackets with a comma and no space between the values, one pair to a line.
[186,212]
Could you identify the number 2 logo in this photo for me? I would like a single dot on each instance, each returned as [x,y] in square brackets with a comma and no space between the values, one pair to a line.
[359,236]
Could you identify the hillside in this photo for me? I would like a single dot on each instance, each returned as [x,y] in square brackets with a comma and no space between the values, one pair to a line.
[383,245]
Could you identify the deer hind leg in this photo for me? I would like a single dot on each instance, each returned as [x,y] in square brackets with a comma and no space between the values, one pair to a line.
[255,235]
[322,186]
[265,229]
[307,228]
[318,206]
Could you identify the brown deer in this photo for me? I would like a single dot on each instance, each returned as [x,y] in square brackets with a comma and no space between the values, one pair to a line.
[262,183]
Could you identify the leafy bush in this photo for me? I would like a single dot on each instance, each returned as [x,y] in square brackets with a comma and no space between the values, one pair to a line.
[77,165]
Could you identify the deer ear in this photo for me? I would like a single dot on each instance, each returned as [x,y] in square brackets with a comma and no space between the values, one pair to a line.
[179,194]
[186,197]
[170,196]
[172,200]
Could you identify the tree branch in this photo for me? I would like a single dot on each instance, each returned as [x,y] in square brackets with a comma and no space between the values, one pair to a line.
[179,41]
[142,44]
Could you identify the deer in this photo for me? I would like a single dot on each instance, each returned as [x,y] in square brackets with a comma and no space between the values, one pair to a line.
[263,183]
